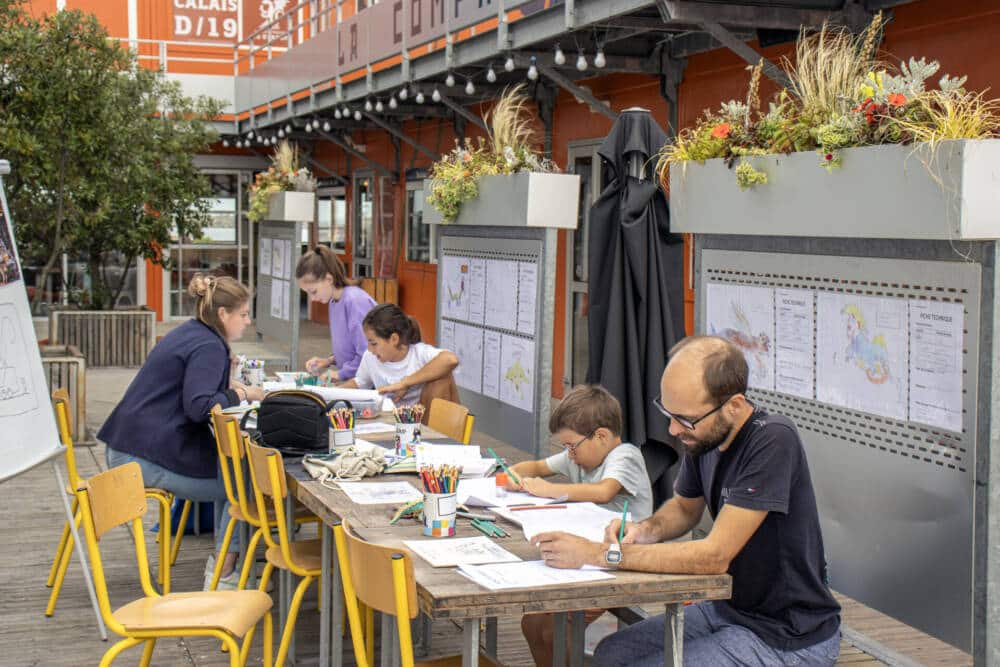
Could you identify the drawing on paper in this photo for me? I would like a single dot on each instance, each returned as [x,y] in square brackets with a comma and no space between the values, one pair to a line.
[517,381]
[744,315]
[8,264]
[742,336]
[869,353]
[517,376]
[16,394]
[456,295]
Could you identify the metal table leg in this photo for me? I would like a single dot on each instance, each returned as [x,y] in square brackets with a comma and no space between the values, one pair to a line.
[673,640]
[290,578]
[559,639]
[324,598]
[491,637]
[577,630]
[336,599]
[386,643]
[470,642]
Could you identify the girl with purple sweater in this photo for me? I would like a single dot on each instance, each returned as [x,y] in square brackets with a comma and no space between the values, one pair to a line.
[321,275]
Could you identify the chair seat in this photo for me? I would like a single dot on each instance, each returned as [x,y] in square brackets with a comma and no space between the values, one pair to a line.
[234,612]
[302,513]
[453,661]
[306,555]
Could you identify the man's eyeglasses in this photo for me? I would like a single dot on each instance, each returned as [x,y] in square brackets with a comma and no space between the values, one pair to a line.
[572,448]
[689,424]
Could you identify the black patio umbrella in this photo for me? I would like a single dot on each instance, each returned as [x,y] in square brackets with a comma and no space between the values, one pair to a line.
[636,297]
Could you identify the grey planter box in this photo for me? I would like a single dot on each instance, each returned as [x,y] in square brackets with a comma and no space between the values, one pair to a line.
[106,337]
[292,206]
[897,192]
[519,200]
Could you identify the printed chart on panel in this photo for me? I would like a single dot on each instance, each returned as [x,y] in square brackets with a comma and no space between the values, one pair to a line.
[861,353]
[936,363]
[745,316]
[793,344]
[275,262]
[468,345]
[501,300]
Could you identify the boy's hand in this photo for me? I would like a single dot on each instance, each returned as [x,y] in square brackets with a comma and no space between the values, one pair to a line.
[633,532]
[512,485]
[537,486]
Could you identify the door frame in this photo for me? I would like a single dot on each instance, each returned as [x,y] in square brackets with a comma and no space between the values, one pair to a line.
[355,223]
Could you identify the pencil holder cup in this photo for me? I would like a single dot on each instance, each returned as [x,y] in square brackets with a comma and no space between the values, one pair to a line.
[439,514]
[407,439]
[341,437]
[254,374]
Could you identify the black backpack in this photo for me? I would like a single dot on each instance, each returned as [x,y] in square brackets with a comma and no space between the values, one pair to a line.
[292,421]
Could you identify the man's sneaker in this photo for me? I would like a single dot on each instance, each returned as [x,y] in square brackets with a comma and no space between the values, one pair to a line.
[210,565]
[227,583]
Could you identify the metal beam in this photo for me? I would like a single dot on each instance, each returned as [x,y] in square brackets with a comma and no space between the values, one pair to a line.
[566,84]
[402,136]
[463,112]
[350,150]
[743,50]
[322,167]
[747,16]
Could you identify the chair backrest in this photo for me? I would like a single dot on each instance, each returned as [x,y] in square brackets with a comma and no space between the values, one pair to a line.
[107,500]
[60,403]
[443,387]
[229,442]
[267,473]
[382,578]
[451,419]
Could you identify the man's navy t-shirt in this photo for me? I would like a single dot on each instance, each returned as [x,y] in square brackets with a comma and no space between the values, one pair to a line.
[779,589]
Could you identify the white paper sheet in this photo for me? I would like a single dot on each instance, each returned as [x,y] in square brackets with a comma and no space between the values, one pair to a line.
[373,427]
[491,364]
[477,290]
[286,272]
[429,454]
[447,337]
[328,393]
[585,520]
[265,257]
[483,493]
[460,551]
[455,287]
[278,258]
[793,354]
[517,372]
[501,297]
[277,287]
[861,353]
[527,289]
[285,300]
[745,317]
[936,363]
[528,574]
[469,349]
[380,493]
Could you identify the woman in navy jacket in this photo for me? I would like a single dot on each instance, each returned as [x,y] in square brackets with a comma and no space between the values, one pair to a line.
[162,422]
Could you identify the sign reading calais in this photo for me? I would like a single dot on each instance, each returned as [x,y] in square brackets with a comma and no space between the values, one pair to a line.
[222,19]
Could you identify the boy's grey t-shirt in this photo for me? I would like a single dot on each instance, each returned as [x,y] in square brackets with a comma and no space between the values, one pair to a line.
[624,464]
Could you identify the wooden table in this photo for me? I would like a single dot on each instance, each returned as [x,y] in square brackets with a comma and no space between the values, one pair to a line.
[443,594]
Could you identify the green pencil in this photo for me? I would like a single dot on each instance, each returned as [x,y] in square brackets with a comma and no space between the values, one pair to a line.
[503,465]
[621,528]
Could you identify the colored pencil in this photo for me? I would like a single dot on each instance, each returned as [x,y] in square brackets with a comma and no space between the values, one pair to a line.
[621,528]
[510,473]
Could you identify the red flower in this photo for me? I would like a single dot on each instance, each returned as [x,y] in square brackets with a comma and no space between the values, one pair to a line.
[897,99]
[864,105]
[828,157]
[722,130]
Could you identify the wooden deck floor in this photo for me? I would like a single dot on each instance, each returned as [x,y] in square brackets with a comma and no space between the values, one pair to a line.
[31,515]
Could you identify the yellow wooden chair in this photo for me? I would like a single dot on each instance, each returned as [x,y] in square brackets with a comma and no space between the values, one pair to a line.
[64,551]
[117,498]
[381,578]
[230,442]
[452,419]
[302,557]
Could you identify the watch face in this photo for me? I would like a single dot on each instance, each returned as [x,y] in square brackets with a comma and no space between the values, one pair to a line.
[613,556]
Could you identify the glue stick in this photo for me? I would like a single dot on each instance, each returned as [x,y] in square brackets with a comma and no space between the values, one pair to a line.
[501,481]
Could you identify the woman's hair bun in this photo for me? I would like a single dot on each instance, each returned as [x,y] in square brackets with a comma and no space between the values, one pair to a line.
[200,285]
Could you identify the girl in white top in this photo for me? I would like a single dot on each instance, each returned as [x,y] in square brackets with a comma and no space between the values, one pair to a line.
[396,362]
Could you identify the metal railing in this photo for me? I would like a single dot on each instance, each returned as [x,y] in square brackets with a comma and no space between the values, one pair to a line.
[297,24]
[163,47]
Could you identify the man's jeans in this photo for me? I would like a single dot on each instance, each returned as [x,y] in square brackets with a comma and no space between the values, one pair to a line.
[709,641]
[189,488]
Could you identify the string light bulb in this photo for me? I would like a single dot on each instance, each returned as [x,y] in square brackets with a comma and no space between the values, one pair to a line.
[368,105]
[379,106]
[225,143]
[581,62]
[393,103]
[403,93]
[260,140]
[281,132]
[532,70]
[559,58]
[491,76]
[449,80]
[357,114]
[288,129]
[309,126]
[599,60]
[436,95]
[336,114]
[239,144]
[470,88]
[420,98]
[509,65]
[326,126]
[250,134]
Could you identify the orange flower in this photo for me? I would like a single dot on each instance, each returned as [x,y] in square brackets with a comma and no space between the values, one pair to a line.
[722,130]
[897,99]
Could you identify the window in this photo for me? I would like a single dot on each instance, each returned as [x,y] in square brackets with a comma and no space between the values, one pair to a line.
[331,218]
[364,226]
[418,233]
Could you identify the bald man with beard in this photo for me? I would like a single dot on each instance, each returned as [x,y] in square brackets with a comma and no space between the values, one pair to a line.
[748,467]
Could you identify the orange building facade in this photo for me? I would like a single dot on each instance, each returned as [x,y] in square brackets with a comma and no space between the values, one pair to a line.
[373,219]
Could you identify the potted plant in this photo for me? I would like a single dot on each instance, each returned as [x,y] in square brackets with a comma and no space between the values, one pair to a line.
[285,191]
[501,180]
[884,138]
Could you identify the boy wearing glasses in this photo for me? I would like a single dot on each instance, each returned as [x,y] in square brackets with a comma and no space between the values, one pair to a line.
[601,469]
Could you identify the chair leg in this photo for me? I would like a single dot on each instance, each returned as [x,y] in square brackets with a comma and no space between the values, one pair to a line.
[268,640]
[248,564]
[115,650]
[369,631]
[265,577]
[61,550]
[229,642]
[180,532]
[221,556]
[147,653]
[293,612]
[63,565]
[163,571]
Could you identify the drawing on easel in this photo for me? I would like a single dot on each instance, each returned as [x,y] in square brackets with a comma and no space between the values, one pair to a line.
[8,263]
[16,391]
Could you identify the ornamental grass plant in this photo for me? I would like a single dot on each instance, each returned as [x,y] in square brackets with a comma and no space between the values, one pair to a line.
[283,175]
[841,94]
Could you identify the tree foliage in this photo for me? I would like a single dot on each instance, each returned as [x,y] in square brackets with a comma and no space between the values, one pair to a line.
[102,150]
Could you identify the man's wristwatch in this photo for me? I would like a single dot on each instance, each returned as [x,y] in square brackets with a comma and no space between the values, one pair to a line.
[613,555]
